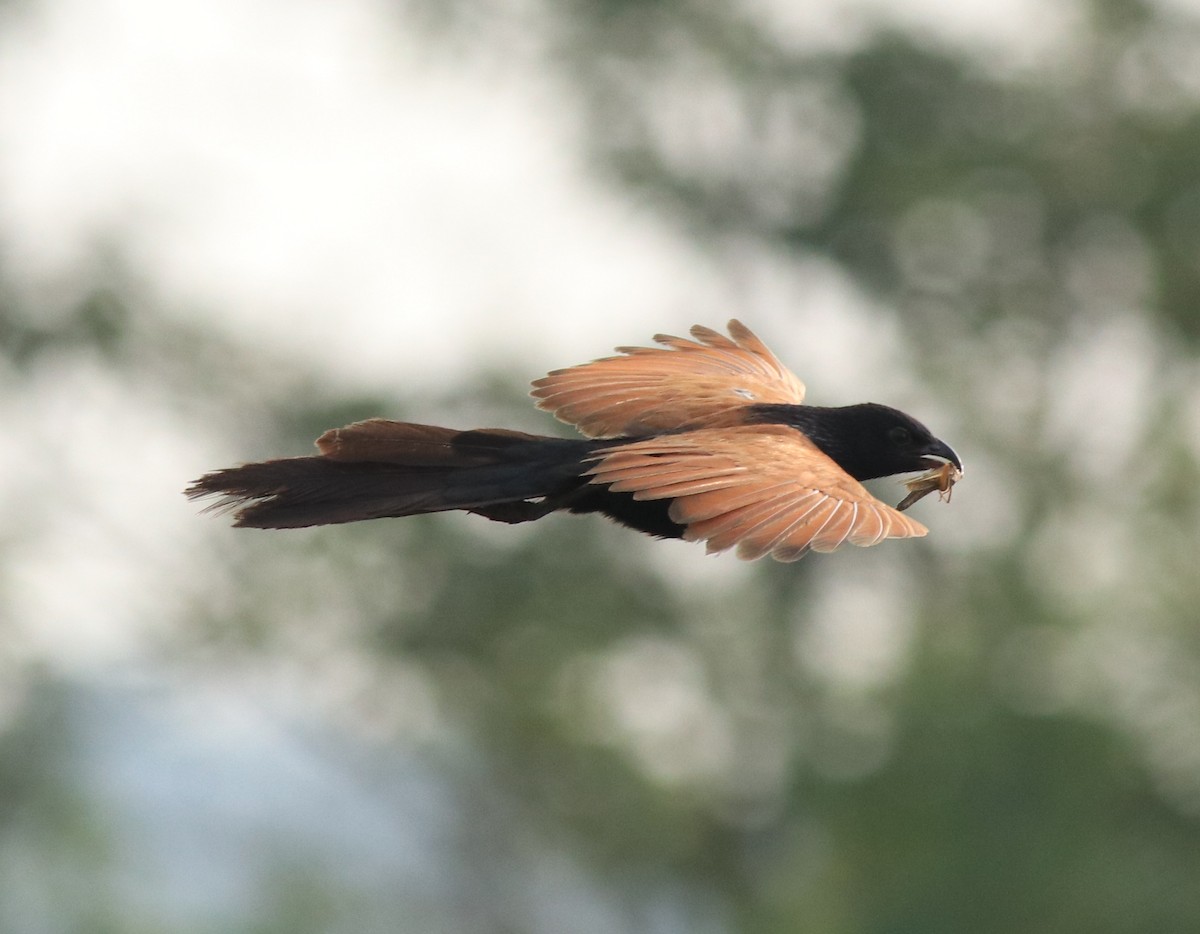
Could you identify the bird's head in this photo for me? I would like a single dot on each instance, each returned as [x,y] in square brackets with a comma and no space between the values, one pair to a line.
[881,441]
[872,440]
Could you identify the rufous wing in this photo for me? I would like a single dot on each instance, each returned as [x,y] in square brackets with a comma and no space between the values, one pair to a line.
[684,383]
[765,489]
[382,441]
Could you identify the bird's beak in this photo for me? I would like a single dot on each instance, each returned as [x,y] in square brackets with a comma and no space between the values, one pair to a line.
[939,453]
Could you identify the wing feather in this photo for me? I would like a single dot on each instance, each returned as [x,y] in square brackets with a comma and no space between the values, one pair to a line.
[764,489]
[719,502]
[788,534]
[681,384]
[742,522]
[838,529]
[868,529]
[754,538]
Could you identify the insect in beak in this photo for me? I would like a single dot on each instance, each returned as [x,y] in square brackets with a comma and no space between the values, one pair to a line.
[941,478]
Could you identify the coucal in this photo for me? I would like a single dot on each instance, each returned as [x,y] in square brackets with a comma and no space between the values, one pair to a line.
[706,439]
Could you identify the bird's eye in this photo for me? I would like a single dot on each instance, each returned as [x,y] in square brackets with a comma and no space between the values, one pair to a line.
[900,436]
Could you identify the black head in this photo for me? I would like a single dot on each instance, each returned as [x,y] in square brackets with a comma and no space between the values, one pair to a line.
[869,440]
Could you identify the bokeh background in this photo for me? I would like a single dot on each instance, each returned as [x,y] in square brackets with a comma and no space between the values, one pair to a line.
[226,225]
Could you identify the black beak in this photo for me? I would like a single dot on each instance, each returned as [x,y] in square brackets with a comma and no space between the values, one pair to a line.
[943,452]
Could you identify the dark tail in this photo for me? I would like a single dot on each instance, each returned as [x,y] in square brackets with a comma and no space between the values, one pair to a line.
[378,468]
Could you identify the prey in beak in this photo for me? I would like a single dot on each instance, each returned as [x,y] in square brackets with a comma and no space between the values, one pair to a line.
[945,470]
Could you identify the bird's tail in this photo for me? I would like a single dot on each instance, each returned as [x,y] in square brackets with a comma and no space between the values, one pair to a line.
[379,468]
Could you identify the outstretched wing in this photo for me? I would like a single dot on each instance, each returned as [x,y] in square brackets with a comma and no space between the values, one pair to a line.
[685,383]
[766,489]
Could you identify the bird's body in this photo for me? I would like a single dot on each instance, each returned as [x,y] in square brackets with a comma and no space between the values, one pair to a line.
[706,439]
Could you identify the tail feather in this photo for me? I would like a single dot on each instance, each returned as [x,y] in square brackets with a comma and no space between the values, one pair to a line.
[379,469]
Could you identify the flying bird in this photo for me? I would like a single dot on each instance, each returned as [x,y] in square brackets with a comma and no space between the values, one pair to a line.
[705,439]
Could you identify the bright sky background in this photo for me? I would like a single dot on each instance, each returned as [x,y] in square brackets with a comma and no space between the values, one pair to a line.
[315,175]
[319,178]
[310,165]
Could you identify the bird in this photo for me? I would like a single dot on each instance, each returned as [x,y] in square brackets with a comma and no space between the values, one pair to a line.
[706,439]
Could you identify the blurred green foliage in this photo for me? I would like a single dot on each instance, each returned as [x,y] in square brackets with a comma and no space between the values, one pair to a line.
[1029,762]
